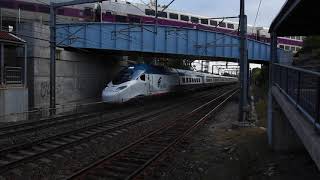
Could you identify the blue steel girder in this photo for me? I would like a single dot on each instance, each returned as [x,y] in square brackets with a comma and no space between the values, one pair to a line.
[165,40]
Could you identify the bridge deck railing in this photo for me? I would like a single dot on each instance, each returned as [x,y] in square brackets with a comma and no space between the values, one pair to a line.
[302,87]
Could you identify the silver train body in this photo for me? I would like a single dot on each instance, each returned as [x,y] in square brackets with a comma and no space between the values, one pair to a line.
[147,80]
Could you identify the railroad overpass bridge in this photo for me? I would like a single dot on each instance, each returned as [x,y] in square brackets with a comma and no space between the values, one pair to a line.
[160,41]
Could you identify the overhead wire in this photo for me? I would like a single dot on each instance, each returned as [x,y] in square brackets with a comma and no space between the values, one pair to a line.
[257,14]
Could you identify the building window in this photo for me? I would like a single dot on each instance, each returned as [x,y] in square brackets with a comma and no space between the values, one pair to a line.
[173,16]
[213,23]
[230,26]
[150,12]
[204,21]
[195,20]
[184,18]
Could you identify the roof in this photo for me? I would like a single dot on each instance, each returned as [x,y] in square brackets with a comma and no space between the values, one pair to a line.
[8,37]
[297,17]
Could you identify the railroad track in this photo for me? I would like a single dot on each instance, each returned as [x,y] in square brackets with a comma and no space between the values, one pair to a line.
[131,160]
[16,155]
[11,131]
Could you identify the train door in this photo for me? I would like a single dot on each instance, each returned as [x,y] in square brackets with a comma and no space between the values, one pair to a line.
[145,83]
[149,83]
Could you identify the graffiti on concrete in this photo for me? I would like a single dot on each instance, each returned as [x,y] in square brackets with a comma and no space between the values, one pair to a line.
[45,89]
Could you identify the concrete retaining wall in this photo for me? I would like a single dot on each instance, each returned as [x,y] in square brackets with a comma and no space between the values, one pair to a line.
[80,75]
[13,100]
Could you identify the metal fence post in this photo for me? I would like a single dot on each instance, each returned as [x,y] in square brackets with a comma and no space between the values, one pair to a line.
[287,80]
[298,94]
[317,120]
[2,64]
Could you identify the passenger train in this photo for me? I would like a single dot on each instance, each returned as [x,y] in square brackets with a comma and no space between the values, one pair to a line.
[124,11]
[143,80]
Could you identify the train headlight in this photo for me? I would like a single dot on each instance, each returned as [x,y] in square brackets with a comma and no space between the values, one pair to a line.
[121,87]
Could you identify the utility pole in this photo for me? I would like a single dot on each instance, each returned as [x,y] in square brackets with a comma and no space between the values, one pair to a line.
[243,105]
[52,58]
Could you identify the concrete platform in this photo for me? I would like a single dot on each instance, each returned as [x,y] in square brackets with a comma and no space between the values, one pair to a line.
[302,127]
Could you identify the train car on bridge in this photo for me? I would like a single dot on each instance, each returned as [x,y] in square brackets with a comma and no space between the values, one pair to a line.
[143,80]
[139,13]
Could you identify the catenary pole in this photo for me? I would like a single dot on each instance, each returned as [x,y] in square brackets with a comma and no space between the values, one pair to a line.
[243,105]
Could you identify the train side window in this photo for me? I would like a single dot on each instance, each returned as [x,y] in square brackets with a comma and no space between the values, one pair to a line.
[120,18]
[230,26]
[195,20]
[184,18]
[150,12]
[173,16]
[213,23]
[222,24]
[204,21]
[183,80]
[162,14]
[143,77]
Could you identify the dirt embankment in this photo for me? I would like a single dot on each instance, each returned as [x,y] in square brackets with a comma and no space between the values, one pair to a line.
[217,151]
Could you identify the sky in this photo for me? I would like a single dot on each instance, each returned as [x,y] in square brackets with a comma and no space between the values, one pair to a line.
[219,8]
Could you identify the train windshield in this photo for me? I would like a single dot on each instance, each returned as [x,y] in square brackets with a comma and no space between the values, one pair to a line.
[126,75]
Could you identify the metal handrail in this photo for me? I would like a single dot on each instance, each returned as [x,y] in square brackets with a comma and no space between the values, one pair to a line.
[298,69]
[302,87]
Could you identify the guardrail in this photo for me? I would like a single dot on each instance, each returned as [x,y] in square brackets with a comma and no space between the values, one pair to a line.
[302,87]
[13,75]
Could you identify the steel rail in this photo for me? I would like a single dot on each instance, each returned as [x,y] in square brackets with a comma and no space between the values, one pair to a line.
[58,142]
[45,123]
[125,149]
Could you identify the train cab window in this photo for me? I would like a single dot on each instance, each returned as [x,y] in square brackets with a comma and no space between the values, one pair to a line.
[195,20]
[162,14]
[143,77]
[173,16]
[204,21]
[150,12]
[184,18]
[213,23]
[230,26]
[108,13]
[222,24]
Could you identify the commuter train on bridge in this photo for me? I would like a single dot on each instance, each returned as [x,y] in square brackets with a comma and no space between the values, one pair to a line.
[137,13]
[143,80]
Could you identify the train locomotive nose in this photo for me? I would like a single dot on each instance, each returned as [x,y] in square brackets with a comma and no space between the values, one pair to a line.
[110,96]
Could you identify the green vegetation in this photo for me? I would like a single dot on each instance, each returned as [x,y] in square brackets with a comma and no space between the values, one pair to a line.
[259,91]
[311,43]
